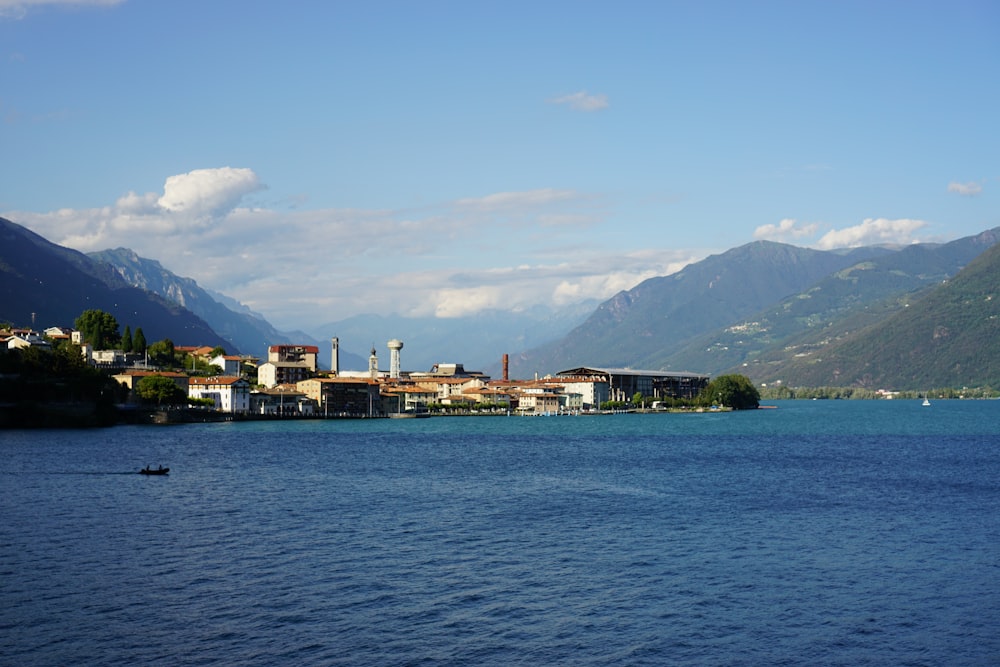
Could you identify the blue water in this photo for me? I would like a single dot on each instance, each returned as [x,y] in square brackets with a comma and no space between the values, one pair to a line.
[820,532]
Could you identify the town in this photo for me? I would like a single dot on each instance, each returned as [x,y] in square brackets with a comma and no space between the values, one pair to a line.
[290,382]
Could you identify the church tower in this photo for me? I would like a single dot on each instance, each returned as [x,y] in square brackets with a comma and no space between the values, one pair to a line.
[373,364]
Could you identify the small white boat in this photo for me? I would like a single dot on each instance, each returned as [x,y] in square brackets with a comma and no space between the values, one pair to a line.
[926,402]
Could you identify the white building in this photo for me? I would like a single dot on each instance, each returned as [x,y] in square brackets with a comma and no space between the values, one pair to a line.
[230,394]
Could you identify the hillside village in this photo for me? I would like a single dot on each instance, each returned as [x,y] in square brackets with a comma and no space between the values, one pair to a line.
[290,383]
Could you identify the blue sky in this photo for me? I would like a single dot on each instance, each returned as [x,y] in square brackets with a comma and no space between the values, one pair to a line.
[317,160]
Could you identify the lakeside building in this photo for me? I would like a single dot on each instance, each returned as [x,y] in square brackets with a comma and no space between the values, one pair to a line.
[284,400]
[623,383]
[338,395]
[230,394]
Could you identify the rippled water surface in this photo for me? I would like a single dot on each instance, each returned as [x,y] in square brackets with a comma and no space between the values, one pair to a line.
[820,532]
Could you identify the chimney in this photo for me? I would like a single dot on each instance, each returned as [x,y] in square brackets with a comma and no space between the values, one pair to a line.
[506,367]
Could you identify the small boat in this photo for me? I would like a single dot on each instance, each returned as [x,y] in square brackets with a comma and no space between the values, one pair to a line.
[926,402]
[154,471]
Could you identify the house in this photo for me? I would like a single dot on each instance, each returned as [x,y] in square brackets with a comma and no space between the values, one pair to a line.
[408,398]
[448,387]
[539,401]
[488,395]
[230,394]
[229,364]
[23,339]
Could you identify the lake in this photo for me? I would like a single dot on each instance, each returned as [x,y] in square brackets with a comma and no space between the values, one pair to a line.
[819,532]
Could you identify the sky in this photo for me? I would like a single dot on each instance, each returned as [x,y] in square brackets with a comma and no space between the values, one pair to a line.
[319,160]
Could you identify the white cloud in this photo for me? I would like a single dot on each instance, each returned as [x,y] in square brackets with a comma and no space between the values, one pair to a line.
[516,200]
[785,230]
[302,268]
[582,101]
[872,231]
[18,8]
[970,189]
[208,191]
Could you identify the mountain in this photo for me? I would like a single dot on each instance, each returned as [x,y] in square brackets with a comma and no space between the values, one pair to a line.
[842,302]
[640,327]
[477,341]
[244,331]
[949,337]
[43,284]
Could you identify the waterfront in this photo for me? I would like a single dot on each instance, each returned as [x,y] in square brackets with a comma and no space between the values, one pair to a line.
[822,532]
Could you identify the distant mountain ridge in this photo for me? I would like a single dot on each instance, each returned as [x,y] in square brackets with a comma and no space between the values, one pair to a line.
[842,302]
[43,284]
[635,327]
[244,331]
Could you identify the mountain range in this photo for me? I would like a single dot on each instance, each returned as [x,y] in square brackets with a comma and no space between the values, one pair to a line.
[43,284]
[762,309]
[772,311]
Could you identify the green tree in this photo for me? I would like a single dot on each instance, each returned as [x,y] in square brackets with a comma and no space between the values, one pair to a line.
[99,328]
[218,351]
[139,341]
[731,391]
[162,353]
[127,339]
[158,389]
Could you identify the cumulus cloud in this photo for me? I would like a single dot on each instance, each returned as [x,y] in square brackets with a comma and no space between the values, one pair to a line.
[208,191]
[18,8]
[872,231]
[970,189]
[787,229]
[582,101]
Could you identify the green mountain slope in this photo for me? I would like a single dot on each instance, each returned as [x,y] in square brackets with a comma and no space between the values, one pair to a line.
[948,338]
[640,328]
[843,302]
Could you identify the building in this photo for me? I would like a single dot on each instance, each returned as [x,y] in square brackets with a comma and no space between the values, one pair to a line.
[343,396]
[284,399]
[271,374]
[227,363]
[540,401]
[624,383]
[230,394]
[294,354]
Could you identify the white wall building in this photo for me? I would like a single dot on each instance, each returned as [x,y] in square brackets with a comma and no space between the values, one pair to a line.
[230,394]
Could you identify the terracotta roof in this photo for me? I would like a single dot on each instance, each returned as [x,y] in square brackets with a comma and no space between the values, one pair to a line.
[214,380]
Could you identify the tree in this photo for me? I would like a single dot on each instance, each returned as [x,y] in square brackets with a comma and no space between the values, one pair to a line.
[162,353]
[731,391]
[158,389]
[139,341]
[99,328]
[127,339]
